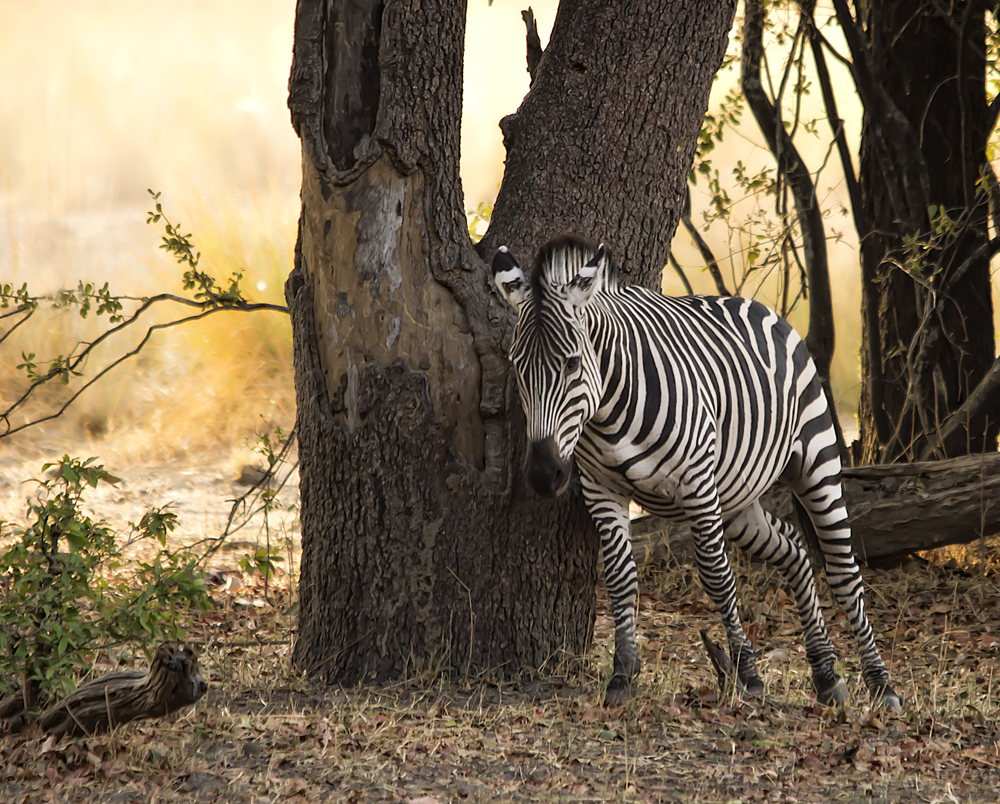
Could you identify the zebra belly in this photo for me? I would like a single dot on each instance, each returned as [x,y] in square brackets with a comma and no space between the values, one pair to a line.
[661,493]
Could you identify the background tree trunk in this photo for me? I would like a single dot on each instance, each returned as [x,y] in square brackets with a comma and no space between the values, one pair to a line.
[421,543]
[932,69]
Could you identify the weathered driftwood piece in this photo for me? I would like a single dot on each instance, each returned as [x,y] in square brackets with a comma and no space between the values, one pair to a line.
[895,509]
[172,682]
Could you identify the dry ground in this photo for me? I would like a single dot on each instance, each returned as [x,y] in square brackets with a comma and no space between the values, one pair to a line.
[265,734]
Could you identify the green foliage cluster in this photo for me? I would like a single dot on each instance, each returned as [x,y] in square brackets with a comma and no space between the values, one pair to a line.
[480,216]
[66,595]
[208,292]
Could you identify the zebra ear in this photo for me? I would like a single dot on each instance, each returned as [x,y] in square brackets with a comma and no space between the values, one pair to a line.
[509,278]
[583,286]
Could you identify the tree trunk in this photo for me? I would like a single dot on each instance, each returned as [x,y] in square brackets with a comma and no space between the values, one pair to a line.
[421,544]
[603,143]
[927,311]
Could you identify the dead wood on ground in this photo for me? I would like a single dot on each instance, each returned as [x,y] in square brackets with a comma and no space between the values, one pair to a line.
[172,682]
[895,509]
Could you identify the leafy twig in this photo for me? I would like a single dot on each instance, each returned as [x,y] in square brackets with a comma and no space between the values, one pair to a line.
[209,297]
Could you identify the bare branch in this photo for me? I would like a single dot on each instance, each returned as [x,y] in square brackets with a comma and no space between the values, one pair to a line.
[680,272]
[895,509]
[27,314]
[914,183]
[244,307]
[703,248]
[993,113]
[533,43]
[835,121]
[820,337]
[706,254]
[982,404]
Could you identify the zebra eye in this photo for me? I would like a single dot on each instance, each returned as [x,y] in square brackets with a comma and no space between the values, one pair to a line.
[572,364]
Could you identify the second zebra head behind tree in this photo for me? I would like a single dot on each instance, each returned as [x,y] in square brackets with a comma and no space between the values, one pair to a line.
[692,407]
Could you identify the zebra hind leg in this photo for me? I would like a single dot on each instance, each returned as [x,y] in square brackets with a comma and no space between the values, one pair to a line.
[718,580]
[827,515]
[768,538]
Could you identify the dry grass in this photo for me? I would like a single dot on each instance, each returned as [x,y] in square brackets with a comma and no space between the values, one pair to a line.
[98,103]
[264,733]
[193,387]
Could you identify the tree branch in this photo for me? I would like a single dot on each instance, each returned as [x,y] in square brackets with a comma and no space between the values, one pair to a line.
[5,415]
[836,123]
[820,338]
[984,399]
[894,509]
[915,181]
[703,248]
[28,312]
[533,43]
[173,681]
[982,404]
[680,272]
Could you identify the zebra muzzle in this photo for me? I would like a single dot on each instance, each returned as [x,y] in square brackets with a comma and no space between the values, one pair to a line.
[548,473]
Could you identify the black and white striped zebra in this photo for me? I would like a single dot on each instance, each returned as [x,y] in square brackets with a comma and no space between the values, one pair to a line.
[693,407]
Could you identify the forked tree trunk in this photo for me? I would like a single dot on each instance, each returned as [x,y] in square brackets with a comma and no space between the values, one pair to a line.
[933,70]
[421,543]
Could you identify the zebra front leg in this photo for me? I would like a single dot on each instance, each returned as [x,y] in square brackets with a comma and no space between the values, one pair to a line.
[719,582]
[610,513]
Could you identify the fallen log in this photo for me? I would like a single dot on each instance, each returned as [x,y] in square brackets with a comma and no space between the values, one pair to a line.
[172,682]
[895,510]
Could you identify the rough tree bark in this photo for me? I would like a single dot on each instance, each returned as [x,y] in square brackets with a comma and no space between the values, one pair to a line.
[928,323]
[603,143]
[420,540]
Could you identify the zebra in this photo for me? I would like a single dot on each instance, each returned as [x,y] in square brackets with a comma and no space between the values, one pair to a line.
[692,407]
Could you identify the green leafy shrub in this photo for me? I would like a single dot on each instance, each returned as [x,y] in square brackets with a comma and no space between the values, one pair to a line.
[64,594]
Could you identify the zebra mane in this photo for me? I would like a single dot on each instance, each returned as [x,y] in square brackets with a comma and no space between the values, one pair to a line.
[560,261]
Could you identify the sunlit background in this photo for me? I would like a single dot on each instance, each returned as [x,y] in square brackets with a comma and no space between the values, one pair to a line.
[101,100]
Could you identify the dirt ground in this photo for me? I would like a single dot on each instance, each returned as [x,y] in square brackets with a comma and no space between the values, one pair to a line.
[263,733]
[201,489]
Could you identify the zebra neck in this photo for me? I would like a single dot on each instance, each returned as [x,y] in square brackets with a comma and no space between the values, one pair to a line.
[613,342]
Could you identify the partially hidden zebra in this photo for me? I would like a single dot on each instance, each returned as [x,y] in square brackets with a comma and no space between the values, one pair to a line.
[692,407]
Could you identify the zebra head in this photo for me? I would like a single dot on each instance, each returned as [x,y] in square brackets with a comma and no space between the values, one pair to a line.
[552,353]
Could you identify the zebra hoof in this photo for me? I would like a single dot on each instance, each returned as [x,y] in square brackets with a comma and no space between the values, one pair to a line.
[619,690]
[751,688]
[887,698]
[834,695]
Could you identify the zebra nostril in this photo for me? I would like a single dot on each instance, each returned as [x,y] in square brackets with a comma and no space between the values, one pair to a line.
[547,472]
